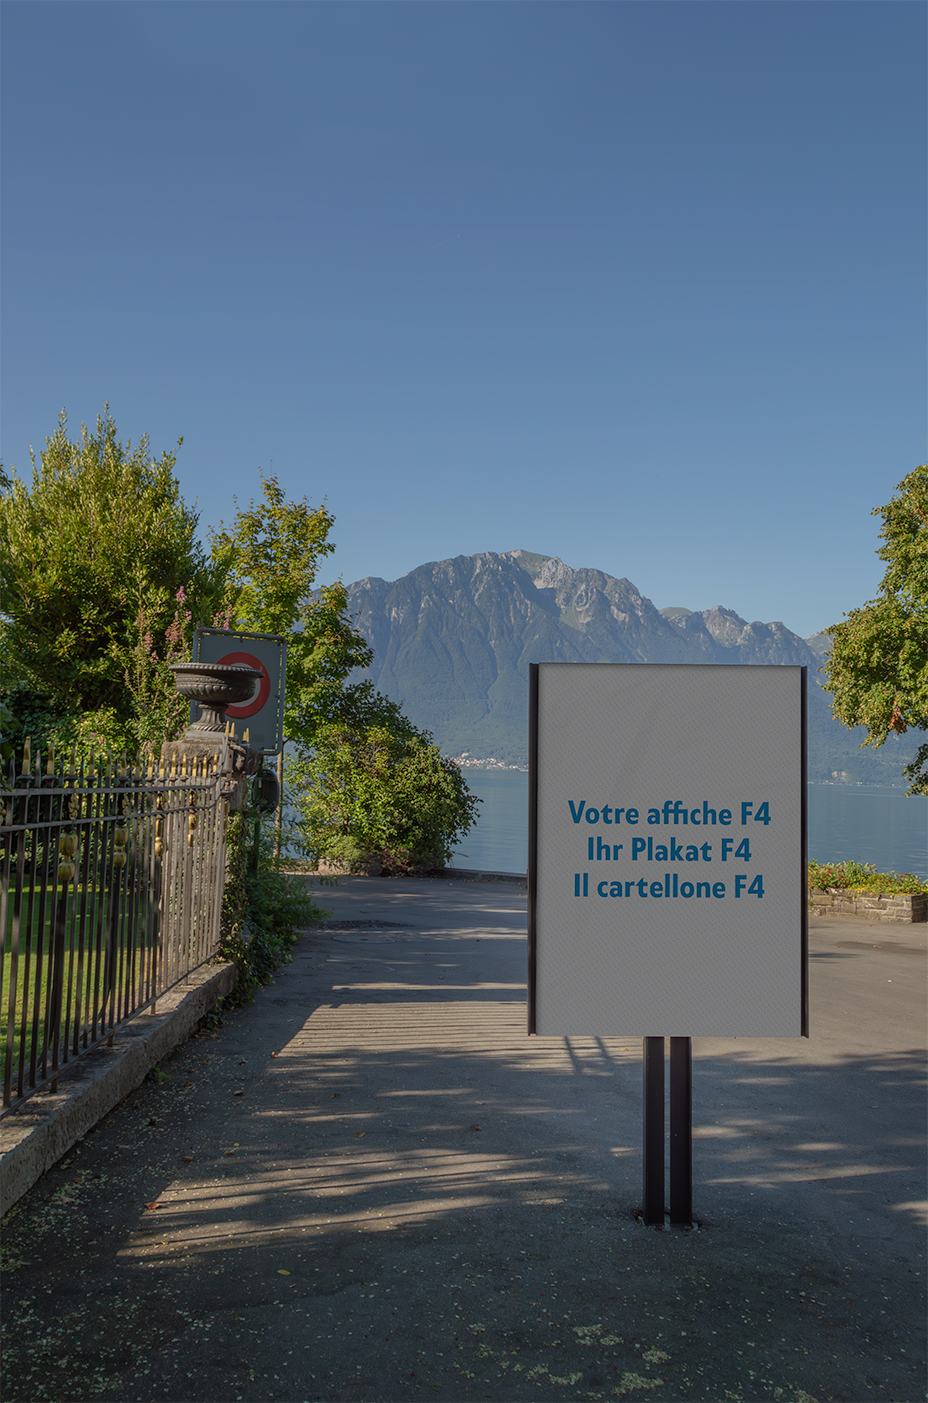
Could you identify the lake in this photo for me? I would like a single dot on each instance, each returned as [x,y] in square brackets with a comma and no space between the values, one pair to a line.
[869,822]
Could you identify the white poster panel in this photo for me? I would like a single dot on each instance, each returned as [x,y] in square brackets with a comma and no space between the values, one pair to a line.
[667,876]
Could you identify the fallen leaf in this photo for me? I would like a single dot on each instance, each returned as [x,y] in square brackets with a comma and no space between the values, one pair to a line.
[360,1134]
[238,1093]
[335,1095]
[152,1206]
[188,1159]
[473,1127]
[275,1054]
[281,1272]
[229,1152]
[188,1082]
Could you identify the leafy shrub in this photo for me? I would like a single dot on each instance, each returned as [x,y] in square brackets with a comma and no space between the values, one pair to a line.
[386,792]
[862,876]
[264,910]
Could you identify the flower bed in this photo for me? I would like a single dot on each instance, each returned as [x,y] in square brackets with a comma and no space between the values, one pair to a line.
[858,892]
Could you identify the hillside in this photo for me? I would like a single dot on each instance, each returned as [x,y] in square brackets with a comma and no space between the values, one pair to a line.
[453,641]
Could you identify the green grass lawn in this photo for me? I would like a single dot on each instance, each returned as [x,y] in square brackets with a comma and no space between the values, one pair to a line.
[82,979]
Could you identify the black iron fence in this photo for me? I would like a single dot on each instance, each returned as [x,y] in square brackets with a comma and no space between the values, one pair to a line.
[111,885]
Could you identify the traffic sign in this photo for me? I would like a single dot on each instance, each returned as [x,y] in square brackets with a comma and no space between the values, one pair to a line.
[263,712]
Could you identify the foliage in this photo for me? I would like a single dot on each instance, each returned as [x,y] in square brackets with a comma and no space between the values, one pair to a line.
[861,876]
[363,778]
[9,731]
[264,910]
[274,548]
[878,667]
[101,578]
[385,792]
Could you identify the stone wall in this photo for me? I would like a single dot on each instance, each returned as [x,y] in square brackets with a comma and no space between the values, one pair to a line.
[883,907]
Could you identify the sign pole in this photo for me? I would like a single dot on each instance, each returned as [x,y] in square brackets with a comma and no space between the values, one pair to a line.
[653,1053]
[681,1131]
[667,872]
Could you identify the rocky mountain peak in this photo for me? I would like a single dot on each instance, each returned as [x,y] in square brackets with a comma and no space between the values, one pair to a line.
[453,640]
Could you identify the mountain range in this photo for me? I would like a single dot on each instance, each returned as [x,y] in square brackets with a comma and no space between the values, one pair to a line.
[453,641]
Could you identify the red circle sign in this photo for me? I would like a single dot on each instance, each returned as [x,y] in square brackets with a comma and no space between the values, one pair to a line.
[252,707]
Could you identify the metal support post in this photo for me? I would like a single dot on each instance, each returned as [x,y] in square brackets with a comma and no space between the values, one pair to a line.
[653,1052]
[681,1131]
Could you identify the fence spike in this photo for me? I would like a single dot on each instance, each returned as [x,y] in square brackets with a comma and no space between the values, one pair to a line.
[27,754]
[50,759]
[246,736]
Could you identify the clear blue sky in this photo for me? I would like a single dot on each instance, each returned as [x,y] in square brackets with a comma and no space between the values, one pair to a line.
[636,284]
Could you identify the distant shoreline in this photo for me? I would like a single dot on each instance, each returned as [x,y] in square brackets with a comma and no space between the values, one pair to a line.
[467,762]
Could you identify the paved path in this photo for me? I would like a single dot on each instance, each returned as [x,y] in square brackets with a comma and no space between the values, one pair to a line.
[370,1185]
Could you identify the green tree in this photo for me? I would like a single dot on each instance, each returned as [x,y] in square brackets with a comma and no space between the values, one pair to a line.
[363,778]
[273,548]
[101,578]
[877,670]
[384,791]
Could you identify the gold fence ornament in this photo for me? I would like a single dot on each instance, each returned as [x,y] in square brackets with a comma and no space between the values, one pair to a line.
[159,826]
[27,755]
[246,736]
[192,821]
[50,759]
[120,839]
[67,848]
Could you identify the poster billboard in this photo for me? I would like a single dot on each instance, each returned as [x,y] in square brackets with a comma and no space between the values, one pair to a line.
[262,715]
[667,850]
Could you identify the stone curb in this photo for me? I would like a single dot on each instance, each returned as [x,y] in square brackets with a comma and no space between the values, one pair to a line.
[475,874]
[895,908]
[36,1135]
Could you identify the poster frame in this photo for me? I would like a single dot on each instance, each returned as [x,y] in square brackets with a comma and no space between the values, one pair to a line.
[532,873]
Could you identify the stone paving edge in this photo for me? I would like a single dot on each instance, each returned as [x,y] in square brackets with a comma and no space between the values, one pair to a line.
[35,1135]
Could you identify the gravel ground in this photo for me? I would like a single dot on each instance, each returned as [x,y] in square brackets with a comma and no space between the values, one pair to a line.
[370,1185]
